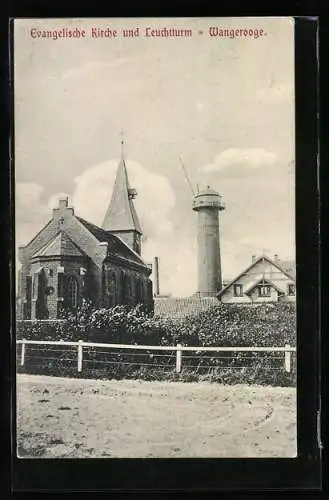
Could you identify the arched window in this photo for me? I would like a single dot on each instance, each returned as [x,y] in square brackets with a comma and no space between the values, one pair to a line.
[119,286]
[27,311]
[112,289]
[73,292]
[139,291]
[129,288]
[40,288]
[35,286]
[149,291]
[126,289]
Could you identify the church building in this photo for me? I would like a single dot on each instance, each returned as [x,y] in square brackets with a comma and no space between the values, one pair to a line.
[71,259]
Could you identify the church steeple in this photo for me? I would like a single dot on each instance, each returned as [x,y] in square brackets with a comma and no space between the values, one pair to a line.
[121,217]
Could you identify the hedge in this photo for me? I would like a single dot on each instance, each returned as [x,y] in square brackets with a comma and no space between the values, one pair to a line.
[222,325]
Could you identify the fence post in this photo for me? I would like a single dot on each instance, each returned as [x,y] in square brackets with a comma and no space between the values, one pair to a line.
[178,358]
[287,359]
[23,353]
[80,355]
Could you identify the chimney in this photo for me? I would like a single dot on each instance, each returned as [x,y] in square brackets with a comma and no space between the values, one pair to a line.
[62,209]
[276,257]
[253,258]
[156,276]
[63,202]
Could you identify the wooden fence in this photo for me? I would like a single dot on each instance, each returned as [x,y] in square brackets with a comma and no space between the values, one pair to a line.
[179,349]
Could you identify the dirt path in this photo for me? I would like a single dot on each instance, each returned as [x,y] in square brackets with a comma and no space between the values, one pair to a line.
[60,417]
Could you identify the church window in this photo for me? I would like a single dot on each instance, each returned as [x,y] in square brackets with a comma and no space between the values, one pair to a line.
[60,285]
[120,285]
[138,291]
[41,304]
[28,287]
[126,289]
[27,312]
[35,286]
[129,287]
[73,292]
[112,289]
[149,292]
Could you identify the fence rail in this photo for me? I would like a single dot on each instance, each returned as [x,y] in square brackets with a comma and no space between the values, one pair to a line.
[179,349]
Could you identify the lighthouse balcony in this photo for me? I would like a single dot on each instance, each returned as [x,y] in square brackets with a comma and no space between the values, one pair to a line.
[208,203]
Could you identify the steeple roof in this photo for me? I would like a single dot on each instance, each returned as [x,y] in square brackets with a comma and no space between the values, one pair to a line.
[121,214]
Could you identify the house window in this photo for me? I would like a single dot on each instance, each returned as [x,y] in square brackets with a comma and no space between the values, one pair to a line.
[264,291]
[291,289]
[238,290]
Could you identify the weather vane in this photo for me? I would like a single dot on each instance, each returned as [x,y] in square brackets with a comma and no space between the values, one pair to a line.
[122,144]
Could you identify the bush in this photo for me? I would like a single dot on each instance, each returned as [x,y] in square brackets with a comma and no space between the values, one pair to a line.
[222,325]
[233,325]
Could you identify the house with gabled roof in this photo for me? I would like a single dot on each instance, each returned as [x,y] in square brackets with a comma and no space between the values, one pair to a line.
[71,259]
[264,280]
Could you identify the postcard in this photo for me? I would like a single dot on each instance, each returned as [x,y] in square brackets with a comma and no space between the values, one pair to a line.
[155,238]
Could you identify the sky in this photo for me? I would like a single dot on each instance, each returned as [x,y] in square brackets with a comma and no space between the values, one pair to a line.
[223,106]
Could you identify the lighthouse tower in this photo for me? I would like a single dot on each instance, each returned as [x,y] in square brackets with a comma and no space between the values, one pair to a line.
[208,204]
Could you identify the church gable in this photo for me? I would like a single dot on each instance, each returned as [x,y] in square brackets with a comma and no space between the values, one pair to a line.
[69,235]
[60,246]
[45,235]
[51,239]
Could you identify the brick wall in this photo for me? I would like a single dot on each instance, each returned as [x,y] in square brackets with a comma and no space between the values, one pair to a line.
[124,286]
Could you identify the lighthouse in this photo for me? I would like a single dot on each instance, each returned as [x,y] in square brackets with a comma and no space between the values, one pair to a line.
[208,204]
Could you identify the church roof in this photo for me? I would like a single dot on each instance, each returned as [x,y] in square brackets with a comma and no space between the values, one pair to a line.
[115,245]
[121,214]
[60,245]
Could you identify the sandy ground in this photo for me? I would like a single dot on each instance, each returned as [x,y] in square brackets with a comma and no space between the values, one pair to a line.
[60,417]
